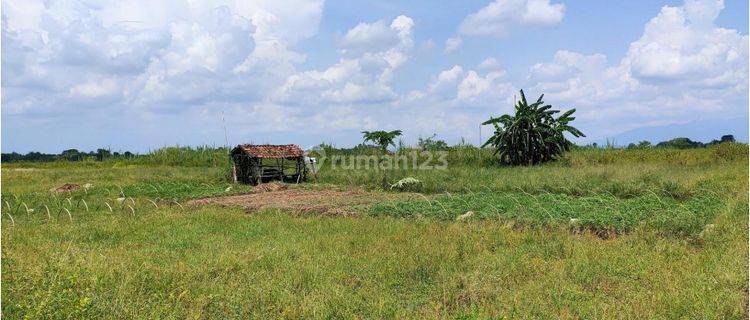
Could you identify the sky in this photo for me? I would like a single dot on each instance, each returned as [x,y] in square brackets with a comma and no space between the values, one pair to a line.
[139,75]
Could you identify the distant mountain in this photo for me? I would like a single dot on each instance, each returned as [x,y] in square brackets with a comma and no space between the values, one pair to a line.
[703,131]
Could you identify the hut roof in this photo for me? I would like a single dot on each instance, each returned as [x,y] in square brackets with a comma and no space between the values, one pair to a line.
[270,151]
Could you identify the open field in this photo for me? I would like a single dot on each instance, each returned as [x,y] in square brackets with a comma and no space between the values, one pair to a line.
[656,233]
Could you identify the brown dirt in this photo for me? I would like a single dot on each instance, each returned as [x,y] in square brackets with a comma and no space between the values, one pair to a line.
[268,187]
[68,187]
[349,202]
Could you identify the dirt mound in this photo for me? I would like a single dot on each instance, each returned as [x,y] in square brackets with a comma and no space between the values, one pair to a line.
[68,187]
[269,187]
[349,202]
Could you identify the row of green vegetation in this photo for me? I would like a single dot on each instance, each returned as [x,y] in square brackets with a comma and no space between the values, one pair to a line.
[460,154]
[202,156]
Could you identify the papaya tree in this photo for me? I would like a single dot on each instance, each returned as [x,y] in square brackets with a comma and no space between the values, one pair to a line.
[382,139]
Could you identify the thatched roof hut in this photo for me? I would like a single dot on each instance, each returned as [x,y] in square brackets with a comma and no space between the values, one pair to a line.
[261,163]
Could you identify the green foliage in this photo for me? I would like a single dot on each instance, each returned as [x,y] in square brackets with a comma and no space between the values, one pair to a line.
[71,155]
[686,143]
[605,215]
[381,138]
[727,138]
[533,135]
[680,143]
[730,151]
[641,145]
[431,144]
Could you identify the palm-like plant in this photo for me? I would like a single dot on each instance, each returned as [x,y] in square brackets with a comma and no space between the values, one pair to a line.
[383,139]
[533,135]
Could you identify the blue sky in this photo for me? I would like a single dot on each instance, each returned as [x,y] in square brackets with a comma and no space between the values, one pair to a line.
[137,75]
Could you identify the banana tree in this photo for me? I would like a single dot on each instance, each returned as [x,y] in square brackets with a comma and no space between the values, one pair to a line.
[532,135]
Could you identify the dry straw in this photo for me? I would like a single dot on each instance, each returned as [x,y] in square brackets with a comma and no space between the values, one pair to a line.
[12,222]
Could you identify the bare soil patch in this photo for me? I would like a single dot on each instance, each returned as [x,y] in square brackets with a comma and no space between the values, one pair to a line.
[68,187]
[340,202]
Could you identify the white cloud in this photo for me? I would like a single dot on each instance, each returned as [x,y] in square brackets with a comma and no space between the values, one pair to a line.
[489,64]
[472,85]
[368,37]
[173,55]
[452,44]
[583,79]
[683,68]
[174,64]
[542,13]
[682,43]
[447,80]
[376,36]
[459,86]
[95,89]
[498,17]
[374,51]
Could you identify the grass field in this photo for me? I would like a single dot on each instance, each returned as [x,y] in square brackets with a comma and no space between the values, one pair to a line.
[656,233]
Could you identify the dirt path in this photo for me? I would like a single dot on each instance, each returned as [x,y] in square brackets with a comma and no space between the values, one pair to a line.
[348,202]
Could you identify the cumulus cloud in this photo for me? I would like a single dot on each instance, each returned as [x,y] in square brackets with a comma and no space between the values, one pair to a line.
[452,44]
[368,37]
[470,87]
[489,64]
[586,80]
[95,89]
[683,44]
[498,17]
[174,54]
[447,80]
[174,65]
[372,52]
[683,68]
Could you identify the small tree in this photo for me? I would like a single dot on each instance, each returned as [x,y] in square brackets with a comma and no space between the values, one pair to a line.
[533,135]
[431,143]
[382,139]
[71,155]
[102,154]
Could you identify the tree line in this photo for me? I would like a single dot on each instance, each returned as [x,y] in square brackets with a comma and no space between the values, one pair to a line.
[431,143]
[681,143]
[69,155]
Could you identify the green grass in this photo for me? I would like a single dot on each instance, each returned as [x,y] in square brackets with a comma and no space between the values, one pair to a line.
[674,224]
[604,215]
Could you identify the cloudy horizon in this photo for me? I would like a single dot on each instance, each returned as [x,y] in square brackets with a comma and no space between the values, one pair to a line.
[138,75]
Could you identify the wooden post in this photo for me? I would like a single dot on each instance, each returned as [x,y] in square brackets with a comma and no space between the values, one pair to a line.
[314,170]
[234,172]
[301,169]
